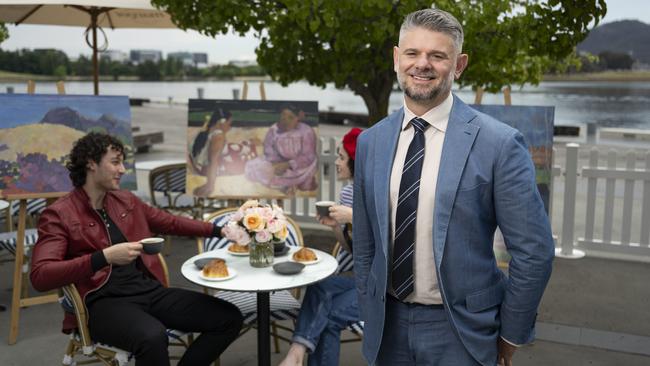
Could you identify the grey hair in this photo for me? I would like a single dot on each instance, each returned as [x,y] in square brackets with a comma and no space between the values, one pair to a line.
[435,20]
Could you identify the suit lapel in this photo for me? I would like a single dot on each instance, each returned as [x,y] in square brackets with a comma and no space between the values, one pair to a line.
[459,138]
[385,146]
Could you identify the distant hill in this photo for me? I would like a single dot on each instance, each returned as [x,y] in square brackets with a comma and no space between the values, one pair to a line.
[69,117]
[625,36]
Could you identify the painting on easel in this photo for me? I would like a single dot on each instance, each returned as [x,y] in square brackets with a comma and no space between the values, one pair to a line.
[239,149]
[37,133]
[536,125]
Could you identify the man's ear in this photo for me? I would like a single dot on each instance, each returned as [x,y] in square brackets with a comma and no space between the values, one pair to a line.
[461,64]
[91,166]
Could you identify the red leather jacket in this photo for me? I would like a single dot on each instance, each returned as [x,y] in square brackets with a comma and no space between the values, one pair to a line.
[70,231]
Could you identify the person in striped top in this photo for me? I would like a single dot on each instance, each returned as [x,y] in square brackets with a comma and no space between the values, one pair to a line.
[330,305]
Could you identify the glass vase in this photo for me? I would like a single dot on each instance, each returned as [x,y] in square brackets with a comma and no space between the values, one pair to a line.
[261,254]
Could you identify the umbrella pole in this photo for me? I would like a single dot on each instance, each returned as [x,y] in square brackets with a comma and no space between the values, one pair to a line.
[93,24]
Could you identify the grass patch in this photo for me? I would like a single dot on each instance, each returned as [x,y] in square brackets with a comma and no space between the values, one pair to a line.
[12,77]
[637,75]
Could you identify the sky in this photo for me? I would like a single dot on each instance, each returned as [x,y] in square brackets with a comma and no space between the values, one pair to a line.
[220,50]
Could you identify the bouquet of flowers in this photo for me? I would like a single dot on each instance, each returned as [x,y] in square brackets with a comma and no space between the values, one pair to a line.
[255,222]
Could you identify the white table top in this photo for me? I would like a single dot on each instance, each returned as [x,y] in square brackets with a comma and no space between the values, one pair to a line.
[3,204]
[251,279]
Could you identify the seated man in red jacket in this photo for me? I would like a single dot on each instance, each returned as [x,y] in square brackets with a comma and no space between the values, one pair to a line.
[90,238]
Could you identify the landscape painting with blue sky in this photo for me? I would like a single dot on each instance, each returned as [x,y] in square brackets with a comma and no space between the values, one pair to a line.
[37,133]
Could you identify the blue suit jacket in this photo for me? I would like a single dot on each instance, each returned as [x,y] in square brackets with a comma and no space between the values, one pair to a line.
[486,178]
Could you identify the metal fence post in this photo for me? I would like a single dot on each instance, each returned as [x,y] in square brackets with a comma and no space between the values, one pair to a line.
[567,249]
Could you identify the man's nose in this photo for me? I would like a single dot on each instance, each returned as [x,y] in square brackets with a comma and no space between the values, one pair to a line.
[422,62]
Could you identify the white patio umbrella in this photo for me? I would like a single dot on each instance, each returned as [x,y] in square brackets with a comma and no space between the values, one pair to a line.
[92,14]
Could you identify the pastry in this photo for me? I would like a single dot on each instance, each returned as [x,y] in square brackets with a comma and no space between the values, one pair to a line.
[236,248]
[304,255]
[215,269]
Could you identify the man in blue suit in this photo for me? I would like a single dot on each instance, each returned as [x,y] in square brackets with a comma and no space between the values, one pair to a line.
[432,183]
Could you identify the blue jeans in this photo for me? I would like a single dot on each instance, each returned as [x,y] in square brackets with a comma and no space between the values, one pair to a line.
[328,307]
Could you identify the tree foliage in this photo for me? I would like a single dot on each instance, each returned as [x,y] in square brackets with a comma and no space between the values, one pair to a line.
[4,33]
[349,42]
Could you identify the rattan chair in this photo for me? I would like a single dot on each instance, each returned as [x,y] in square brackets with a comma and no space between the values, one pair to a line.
[81,344]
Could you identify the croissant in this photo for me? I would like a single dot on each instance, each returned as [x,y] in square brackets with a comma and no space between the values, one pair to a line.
[215,268]
[236,248]
[304,255]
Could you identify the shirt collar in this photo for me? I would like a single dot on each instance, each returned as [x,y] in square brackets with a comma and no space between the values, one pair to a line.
[437,116]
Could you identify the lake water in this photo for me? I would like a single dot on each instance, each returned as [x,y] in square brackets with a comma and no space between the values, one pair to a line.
[605,104]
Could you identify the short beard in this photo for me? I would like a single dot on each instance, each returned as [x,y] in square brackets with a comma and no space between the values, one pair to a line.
[427,95]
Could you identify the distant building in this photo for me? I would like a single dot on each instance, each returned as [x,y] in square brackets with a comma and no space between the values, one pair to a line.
[138,56]
[190,59]
[114,55]
[200,58]
[242,63]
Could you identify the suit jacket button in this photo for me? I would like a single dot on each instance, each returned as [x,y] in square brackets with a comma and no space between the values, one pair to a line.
[383,298]
[92,224]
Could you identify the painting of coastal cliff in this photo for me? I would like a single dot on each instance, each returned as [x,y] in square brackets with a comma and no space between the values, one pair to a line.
[37,133]
[241,149]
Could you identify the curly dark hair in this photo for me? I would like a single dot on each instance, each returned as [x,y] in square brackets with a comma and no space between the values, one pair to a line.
[90,148]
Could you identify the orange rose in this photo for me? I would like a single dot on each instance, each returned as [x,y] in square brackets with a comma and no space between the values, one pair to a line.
[253,222]
[283,233]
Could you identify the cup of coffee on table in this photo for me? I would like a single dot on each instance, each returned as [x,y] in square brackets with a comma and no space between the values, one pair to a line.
[152,245]
[323,207]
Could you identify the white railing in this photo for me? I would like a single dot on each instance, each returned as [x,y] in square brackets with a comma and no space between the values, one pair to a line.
[606,202]
[302,209]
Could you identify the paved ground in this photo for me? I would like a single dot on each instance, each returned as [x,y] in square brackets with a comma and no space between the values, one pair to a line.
[577,294]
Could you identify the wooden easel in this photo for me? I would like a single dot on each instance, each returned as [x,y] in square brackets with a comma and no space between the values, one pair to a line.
[244,93]
[507,97]
[19,296]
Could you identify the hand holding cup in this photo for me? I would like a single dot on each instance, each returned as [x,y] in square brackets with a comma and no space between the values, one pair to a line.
[152,245]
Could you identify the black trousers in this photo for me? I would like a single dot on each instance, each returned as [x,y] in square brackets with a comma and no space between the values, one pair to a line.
[138,323]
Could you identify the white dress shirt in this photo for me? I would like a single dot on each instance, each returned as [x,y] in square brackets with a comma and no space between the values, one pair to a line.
[426,289]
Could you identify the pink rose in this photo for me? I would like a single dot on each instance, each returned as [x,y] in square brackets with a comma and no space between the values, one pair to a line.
[274,225]
[236,233]
[237,216]
[263,236]
[266,213]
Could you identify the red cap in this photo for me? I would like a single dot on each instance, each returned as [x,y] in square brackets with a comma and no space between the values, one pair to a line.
[350,141]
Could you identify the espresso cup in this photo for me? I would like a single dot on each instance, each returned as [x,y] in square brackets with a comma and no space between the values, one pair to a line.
[152,245]
[323,207]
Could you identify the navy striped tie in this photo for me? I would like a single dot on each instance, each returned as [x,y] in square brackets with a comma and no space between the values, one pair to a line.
[407,205]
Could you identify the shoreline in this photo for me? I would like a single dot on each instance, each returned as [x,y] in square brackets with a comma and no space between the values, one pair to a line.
[605,76]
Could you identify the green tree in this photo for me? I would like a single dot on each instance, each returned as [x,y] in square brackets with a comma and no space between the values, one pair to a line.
[4,33]
[149,71]
[616,60]
[349,42]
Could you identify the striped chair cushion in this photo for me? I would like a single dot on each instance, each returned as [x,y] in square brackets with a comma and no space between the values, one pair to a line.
[283,305]
[356,328]
[8,240]
[217,243]
[345,260]
[34,206]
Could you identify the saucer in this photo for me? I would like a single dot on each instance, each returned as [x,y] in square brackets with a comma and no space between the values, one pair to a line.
[288,268]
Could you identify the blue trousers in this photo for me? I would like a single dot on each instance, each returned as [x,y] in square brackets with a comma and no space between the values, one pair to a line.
[328,307]
[420,335]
